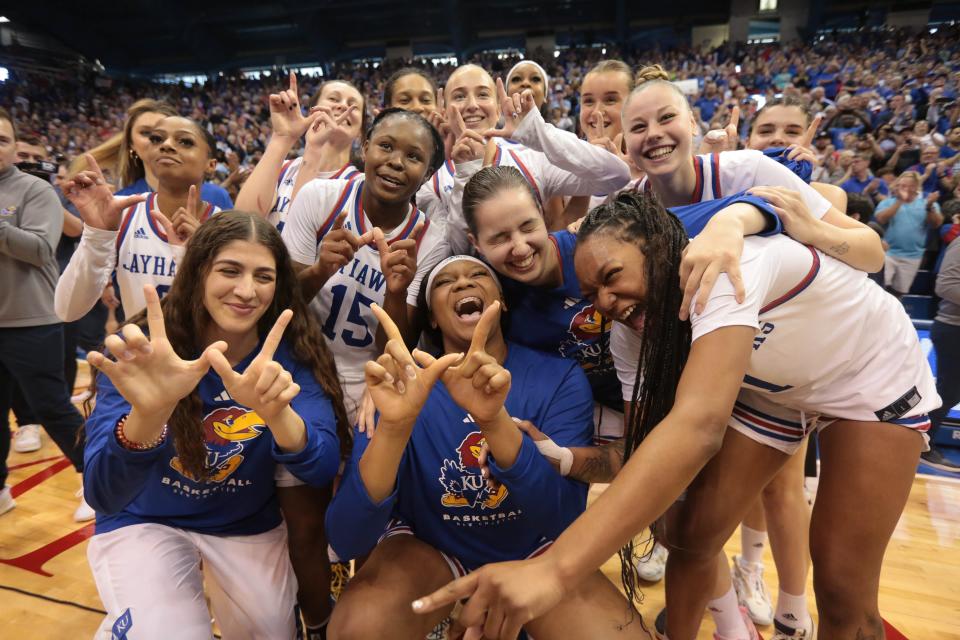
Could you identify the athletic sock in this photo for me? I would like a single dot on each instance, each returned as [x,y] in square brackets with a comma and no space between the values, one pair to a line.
[792,611]
[726,615]
[752,542]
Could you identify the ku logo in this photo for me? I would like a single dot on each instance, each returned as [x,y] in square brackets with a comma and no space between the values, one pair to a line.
[588,323]
[225,431]
[8,212]
[461,478]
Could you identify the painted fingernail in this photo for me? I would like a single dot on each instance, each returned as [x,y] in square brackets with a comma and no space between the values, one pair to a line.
[411,372]
[417,605]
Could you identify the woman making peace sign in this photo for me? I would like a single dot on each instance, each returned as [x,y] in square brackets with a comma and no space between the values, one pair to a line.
[180,459]
[414,494]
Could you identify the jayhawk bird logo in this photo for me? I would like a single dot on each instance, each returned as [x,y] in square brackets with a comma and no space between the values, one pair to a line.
[461,478]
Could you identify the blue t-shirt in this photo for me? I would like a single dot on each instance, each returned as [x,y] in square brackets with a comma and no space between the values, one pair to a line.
[560,321]
[907,230]
[211,193]
[853,185]
[134,487]
[439,491]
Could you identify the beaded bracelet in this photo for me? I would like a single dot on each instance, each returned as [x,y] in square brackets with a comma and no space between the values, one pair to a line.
[138,446]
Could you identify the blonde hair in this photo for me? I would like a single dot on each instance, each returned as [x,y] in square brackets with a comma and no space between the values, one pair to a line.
[614,66]
[913,175]
[652,75]
[116,155]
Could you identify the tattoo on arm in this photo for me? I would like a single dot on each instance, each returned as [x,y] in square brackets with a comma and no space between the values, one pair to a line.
[598,464]
[840,249]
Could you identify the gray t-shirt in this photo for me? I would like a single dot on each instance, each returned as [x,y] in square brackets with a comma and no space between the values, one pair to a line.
[31,220]
[948,285]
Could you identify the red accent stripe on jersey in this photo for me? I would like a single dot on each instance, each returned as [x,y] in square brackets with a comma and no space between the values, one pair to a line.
[125,224]
[497,156]
[452,168]
[283,172]
[715,164]
[207,213]
[803,284]
[436,183]
[526,174]
[337,208]
[341,171]
[698,187]
[358,214]
[408,228]
[154,226]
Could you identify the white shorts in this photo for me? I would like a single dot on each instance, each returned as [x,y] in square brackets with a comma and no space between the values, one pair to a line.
[282,477]
[756,416]
[397,527]
[898,273]
[151,584]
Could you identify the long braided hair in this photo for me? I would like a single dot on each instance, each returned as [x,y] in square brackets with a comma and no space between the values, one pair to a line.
[186,319]
[641,220]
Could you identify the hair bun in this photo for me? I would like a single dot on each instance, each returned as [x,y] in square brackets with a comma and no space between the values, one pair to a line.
[651,73]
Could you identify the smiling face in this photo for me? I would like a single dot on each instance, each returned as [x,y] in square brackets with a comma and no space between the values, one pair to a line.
[396,159]
[459,293]
[512,236]
[179,152]
[340,96]
[528,76]
[778,126]
[658,130]
[239,288]
[613,277]
[414,93]
[603,93]
[471,91]
[140,131]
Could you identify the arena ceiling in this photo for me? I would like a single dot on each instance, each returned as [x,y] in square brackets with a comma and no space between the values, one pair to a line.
[175,34]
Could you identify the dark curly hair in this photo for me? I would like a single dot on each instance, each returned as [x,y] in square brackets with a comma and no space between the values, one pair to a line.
[186,319]
[641,220]
[438,153]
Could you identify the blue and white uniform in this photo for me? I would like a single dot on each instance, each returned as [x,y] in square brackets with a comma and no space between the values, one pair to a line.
[288,180]
[138,253]
[554,162]
[812,362]
[440,495]
[343,304]
[155,521]
[560,321]
[209,192]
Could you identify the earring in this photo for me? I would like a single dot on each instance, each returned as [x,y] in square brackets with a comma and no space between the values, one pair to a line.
[134,157]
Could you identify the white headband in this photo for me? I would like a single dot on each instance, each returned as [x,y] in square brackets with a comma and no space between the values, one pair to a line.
[546,78]
[443,263]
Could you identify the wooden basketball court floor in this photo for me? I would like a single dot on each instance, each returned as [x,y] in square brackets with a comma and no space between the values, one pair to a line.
[47,591]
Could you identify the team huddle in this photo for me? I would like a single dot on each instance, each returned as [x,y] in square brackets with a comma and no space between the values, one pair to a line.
[420,358]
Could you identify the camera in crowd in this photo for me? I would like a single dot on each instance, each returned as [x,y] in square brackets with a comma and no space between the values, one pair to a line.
[43,169]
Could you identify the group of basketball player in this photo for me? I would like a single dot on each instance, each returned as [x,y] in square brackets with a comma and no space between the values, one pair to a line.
[431,320]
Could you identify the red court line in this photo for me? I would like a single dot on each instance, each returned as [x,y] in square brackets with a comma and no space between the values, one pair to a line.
[30,464]
[35,560]
[30,482]
[893,634]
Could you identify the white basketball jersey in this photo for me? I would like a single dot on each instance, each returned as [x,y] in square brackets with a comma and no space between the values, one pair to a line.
[343,304]
[287,181]
[144,256]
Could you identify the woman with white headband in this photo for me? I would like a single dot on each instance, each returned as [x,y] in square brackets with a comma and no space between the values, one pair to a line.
[413,496]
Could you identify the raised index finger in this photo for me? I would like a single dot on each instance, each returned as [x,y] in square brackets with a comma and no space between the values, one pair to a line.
[489,319]
[735,118]
[502,97]
[92,165]
[807,138]
[293,84]
[192,201]
[154,313]
[273,338]
[389,326]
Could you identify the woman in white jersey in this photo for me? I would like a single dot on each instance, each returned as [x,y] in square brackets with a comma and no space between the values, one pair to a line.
[132,237]
[555,162]
[871,392]
[335,121]
[330,233]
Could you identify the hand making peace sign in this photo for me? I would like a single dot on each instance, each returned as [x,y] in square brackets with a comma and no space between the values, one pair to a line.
[147,371]
[264,386]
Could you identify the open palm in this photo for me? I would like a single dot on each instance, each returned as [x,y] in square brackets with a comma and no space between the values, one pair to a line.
[147,372]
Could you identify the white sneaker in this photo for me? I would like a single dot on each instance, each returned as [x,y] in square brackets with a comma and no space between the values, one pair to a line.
[783,632]
[27,439]
[84,512]
[751,590]
[651,568]
[6,500]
